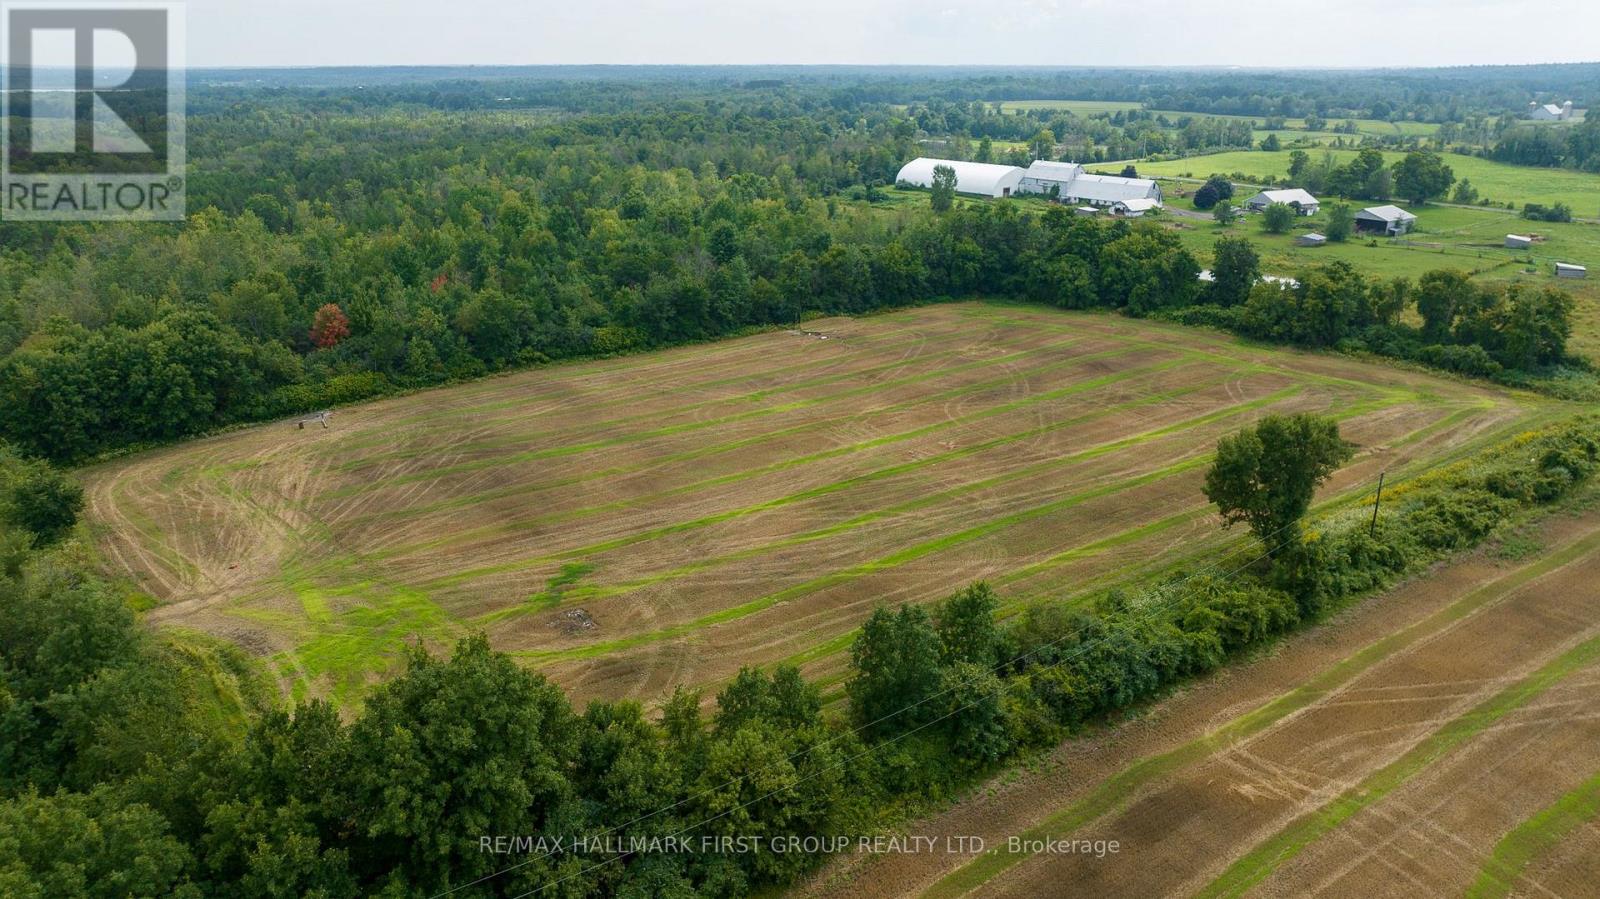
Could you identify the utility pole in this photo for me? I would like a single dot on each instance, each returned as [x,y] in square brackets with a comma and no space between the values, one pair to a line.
[1376,503]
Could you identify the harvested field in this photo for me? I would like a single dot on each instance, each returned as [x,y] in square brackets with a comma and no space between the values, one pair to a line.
[1442,738]
[632,524]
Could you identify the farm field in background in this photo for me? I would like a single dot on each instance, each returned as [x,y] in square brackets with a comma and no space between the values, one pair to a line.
[1442,735]
[1496,181]
[632,524]
[1447,237]
[1293,127]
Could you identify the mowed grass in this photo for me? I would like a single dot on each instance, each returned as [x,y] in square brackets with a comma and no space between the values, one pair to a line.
[632,524]
[1447,237]
[1495,181]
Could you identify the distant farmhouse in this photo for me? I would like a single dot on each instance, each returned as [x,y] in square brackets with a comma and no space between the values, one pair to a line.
[1549,112]
[1063,181]
[1295,198]
[980,179]
[1390,220]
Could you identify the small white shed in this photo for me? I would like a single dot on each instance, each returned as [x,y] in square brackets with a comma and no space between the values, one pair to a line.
[1518,241]
[1568,270]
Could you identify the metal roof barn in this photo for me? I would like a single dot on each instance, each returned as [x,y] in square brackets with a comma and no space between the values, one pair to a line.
[1294,196]
[979,178]
[1388,219]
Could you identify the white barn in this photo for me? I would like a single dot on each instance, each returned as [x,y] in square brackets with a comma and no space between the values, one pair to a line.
[1390,220]
[1045,177]
[1109,190]
[1069,183]
[977,178]
[1549,112]
[1299,200]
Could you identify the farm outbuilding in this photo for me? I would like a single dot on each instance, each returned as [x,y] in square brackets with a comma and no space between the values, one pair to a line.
[1549,112]
[1390,220]
[1108,190]
[1050,178]
[981,179]
[1297,199]
[1134,208]
[1518,241]
[1568,270]
[1311,240]
[1069,183]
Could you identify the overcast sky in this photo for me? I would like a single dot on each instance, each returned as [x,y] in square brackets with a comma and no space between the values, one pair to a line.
[942,32]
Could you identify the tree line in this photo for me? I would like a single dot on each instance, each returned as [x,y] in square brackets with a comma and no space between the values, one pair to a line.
[139,763]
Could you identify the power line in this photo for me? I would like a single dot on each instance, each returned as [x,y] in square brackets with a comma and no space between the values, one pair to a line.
[860,729]
[1082,647]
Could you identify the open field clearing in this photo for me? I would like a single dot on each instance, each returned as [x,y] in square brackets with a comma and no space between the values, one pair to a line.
[1447,237]
[1441,737]
[1496,181]
[1292,128]
[633,524]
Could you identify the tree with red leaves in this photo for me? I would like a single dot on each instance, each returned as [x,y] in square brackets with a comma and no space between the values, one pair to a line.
[329,326]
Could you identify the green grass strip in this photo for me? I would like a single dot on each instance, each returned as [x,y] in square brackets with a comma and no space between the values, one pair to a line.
[574,449]
[888,339]
[714,449]
[592,407]
[1534,837]
[929,547]
[866,478]
[1118,790]
[823,490]
[885,563]
[1255,867]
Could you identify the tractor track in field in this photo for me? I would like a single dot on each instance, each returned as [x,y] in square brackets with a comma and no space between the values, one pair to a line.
[1382,753]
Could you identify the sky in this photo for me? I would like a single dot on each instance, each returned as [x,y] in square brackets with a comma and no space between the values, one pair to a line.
[1332,33]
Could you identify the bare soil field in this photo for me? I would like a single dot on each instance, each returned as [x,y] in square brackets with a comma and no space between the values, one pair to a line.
[632,524]
[1441,738]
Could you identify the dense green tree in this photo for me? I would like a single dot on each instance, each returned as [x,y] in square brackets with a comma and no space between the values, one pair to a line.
[1266,475]
[1235,268]
[1277,218]
[1341,221]
[37,498]
[450,751]
[90,845]
[1422,176]
[1440,296]
[966,627]
[944,188]
[896,669]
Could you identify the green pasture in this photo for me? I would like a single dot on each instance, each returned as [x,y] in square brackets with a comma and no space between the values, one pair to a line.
[1447,237]
[1495,181]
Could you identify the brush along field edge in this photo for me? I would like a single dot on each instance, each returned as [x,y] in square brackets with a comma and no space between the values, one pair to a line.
[1119,791]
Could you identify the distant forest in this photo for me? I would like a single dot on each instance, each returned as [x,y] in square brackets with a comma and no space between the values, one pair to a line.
[349,240]
[1424,95]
